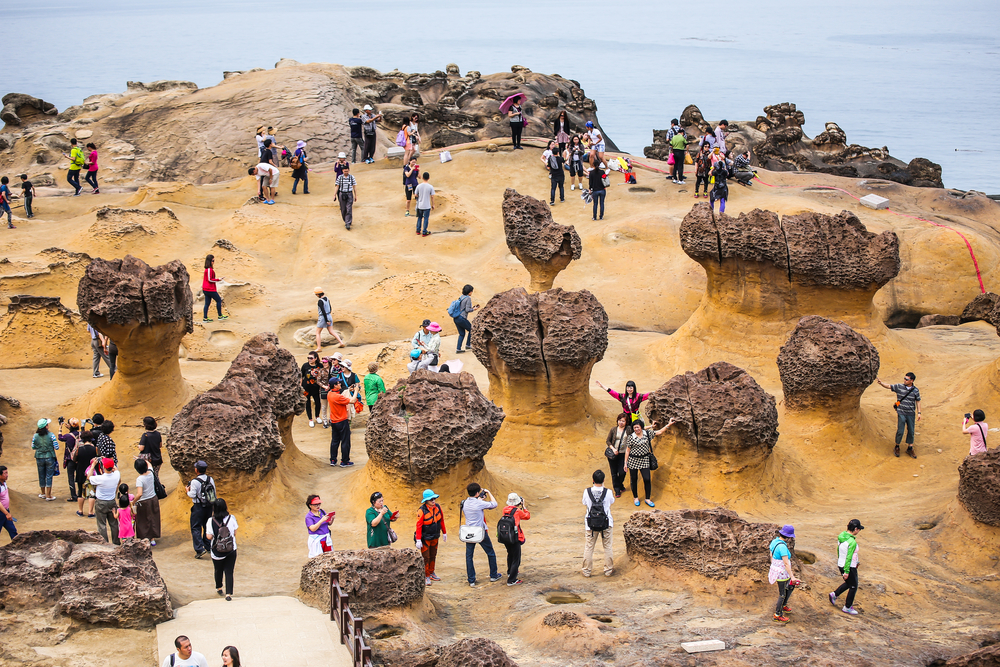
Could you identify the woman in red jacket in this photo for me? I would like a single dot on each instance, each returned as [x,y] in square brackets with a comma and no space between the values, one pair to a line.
[630,400]
[430,529]
[209,288]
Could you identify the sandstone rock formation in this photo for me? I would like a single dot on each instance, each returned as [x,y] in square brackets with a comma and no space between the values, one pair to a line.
[12,402]
[720,410]
[716,543]
[375,580]
[477,652]
[80,575]
[543,246]
[539,350]
[982,308]
[979,486]
[988,656]
[777,142]
[428,423]
[38,331]
[19,109]
[826,363]
[241,426]
[936,320]
[146,312]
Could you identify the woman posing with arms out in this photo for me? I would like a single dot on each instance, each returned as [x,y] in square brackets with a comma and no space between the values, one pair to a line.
[638,450]
[209,287]
[379,517]
[318,527]
[615,444]
[630,400]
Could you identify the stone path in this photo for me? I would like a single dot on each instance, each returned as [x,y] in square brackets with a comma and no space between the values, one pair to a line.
[274,630]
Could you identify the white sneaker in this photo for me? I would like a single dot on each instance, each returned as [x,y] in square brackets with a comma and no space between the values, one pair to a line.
[427,581]
[312,423]
[572,187]
[850,610]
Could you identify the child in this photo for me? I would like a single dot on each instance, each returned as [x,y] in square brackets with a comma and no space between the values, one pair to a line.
[28,194]
[126,518]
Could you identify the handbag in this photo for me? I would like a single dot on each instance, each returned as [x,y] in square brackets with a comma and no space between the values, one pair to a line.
[470,534]
[609,453]
[158,488]
[653,463]
[670,160]
[606,181]
[392,536]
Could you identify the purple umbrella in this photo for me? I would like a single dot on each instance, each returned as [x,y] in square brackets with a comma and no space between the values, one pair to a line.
[505,105]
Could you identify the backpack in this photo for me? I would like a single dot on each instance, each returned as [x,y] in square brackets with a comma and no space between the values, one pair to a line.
[597,518]
[455,309]
[295,161]
[507,529]
[223,544]
[206,496]
[401,139]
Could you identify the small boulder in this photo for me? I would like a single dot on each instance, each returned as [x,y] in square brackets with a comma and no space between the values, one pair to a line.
[543,246]
[979,486]
[452,70]
[938,320]
[477,652]
[981,309]
[374,579]
[19,108]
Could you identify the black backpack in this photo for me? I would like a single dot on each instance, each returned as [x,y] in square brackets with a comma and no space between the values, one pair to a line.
[206,495]
[224,543]
[507,529]
[597,518]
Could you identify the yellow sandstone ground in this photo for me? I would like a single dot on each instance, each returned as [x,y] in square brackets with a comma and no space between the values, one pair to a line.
[929,573]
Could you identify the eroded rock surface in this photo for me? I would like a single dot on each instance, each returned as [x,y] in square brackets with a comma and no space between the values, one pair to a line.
[720,409]
[988,656]
[982,308]
[979,486]
[936,320]
[428,423]
[80,575]
[477,652]
[825,363]
[543,246]
[242,425]
[19,108]
[39,331]
[375,579]
[716,543]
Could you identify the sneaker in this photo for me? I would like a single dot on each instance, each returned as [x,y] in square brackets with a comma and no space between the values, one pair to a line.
[572,187]
[427,581]
[51,498]
[514,583]
[851,611]
[407,215]
[636,502]
[618,494]
[472,584]
[152,543]
[913,454]
[96,375]
[229,598]
[71,500]
[833,599]
[496,578]
[223,317]
[219,592]
[896,451]
[42,495]
[780,619]
[786,608]
[312,424]
[428,234]
[269,201]
[434,577]
[418,232]
[333,464]
[79,514]
[651,503]
[91,516]
[459,351]
[347,464]
[552,203]
[96,192]
[207,319]
[199,554]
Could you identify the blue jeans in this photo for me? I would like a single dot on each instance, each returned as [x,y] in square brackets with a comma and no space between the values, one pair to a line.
[470,567]
[598,196]
[305,184]
[209,298]
[9,525]
[464,326]
[424,213]
[73,178]
[909,422]
[46,468]
[5,207]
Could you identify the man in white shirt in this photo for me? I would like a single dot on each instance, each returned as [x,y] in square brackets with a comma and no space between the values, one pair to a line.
[479,499]
[425,202]
[267,180]
[184,656]
[201,508]
[590,496]
[106,490]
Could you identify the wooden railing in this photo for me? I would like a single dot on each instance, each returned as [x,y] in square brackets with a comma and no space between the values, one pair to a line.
[350,626]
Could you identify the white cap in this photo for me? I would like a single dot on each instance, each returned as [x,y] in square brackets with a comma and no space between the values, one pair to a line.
[347,364]
[368,107]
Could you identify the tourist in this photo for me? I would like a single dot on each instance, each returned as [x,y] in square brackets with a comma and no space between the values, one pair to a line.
[702,168]
[429,346]
[597,187]
[379,518]
[576,152]
[479,500]
[210,288]
[781,571]
[202,493]
[126,520]
[91,164]
[598,521]
[231,657]
[85,458]
[742,172]
[112,351]
[269,155]
[596,143]
[318,527]
[707,138]
[220,531]
[674,129]
[630,400]
[557,177]
[516,117]
[7,519]
[98,343]
[561,129]
[678,148]
[847,561]
[323,380]
[461,320]
[147,505]
[347,195]
[425,202]
[638,457]
[70,440]
[411,172]
[340,164]
[336,371]
[720,135]
[350,377]
[516,510]
[357,134]
[615,444]
[430,529]
[151,445]
[325,319]
[76,163]
[260,142]
[369,118]
[300,168]
[184,656]
[45,445]
[976,432]
[105,445]
[340,422]
[720,191]
[412,138]
[267,181]
[310,385]
[907,408]
[106,483]
[5,198]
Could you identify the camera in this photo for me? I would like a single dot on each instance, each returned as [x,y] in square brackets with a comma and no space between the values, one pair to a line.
[482,494]
[61,420]
[968,415]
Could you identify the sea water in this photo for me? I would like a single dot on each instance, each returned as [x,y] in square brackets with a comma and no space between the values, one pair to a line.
[917,76]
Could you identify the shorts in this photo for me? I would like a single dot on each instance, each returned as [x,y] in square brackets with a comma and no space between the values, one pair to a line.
[409,192]
[576,169]
[322,324]
[274,180]
[265,181]
[597,147]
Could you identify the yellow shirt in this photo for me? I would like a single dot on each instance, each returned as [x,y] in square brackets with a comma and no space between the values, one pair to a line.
[76,159]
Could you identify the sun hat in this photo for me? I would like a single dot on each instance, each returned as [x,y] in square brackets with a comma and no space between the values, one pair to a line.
[513,499]
[317,290]
[788,531]
[347,363]
[342,155]
[368,107]
[434,326]
[43,422]
[300,144]
[429,495]
[414,354]
[338,356]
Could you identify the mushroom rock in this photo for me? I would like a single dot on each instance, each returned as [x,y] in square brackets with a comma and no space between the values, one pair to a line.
[543,246]
[979,486]
[78,574]
[476,652]
[539,350]
[981,309]
[243,425]
[719,409]
[374,579]
[716,543]
[826,363]
[19,108]
[146,312]
[429,423]
[39,331]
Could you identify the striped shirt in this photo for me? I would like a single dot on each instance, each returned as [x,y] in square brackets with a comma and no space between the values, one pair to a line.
[345,183]
[907,405]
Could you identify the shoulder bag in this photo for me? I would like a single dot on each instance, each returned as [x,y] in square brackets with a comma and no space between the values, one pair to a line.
[653,463]
[983,434]
[470,534]
[895,406]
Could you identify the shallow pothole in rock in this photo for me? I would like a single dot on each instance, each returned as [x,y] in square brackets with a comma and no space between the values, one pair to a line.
[563,597]
[640,188]
[806,557]
[386,631]
[603,618]
[926,525]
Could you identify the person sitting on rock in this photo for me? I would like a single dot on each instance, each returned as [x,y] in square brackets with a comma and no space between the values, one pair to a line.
[430,529]
[638,453]
[428,341]
[630,400]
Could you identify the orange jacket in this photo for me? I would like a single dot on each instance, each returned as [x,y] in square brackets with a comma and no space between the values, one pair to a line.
[519,516]
[427,516]
[338,407]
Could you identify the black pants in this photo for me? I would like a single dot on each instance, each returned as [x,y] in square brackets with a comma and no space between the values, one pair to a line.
[225,566]
[305,182]
[112,358]
[27,206]
[562,148]
[199,517]
[340,439]
[699,180]
[369,153]
[312,396]
[560,180]
[851,586]
[515,132]
[785,589]
[91,178]
[513,561]
[634,477]
[617,465]
[678,172]
[74,490]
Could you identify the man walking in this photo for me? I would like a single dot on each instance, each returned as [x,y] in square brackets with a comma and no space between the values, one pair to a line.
[479,499]
[368,120]
[76,162]
[202,493]
[425,202]
[185,656]
[98,343]
[340,422]
[598,522]
[357,134]
[347,195]
[907,410]
[6,518]
[5,199]
[847,561]
[106,489]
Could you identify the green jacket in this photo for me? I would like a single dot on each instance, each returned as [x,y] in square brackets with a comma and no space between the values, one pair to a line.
[847,552]
[678,141]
